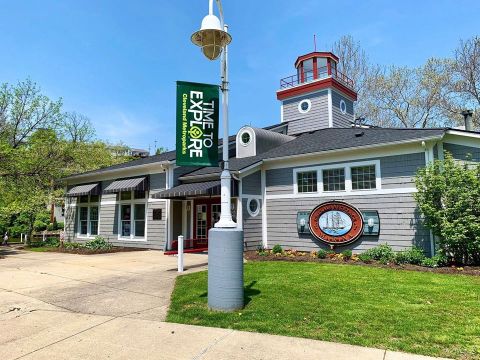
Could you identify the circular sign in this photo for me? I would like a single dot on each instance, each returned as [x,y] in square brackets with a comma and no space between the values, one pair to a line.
[336,223]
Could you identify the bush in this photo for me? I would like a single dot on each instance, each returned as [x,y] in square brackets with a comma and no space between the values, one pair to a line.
[51,242]
[72,245]
[447,197]
[365,257]
[435,261]
[322,254]
[383,253]
[277,249]
[262,251]
[347,254]
[60,225]
[413,256]
[99,243]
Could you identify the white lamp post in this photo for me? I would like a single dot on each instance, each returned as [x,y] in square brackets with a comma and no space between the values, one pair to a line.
[225,241]
[212,38]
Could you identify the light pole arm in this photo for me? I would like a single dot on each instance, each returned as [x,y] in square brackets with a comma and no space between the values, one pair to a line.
[220,10]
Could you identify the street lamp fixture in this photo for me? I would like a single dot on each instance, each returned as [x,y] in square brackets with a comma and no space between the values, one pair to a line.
[225,240]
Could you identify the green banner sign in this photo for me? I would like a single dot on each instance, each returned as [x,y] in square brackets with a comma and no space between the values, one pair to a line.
[197,124]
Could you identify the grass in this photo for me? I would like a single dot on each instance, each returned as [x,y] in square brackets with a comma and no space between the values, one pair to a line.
[417,312]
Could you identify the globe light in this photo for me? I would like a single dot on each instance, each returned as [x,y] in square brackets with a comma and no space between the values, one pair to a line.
[211,38]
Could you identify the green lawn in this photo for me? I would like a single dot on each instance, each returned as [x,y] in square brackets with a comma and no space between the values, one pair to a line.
[418,312]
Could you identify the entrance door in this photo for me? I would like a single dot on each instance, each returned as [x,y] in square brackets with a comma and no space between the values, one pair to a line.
[176,219]
[201,221]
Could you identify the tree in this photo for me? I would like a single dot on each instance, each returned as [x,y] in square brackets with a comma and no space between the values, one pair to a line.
[160,150]
[23,110]
[77,127]
[409,97]
[466,81]
[448,197]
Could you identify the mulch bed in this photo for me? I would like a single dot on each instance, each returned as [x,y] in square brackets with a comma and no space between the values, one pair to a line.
[306,257]
[83,251]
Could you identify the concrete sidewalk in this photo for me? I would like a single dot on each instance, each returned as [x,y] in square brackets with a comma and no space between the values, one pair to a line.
[62,306]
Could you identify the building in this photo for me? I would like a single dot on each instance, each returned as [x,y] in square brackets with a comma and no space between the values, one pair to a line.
[311,181]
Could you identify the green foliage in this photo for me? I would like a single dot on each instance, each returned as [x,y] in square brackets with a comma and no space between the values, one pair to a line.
[277,249]
[347,254]
[99,243]
[365,257]
[51,242]
[72,245]
[382,253]
[435,261]
[322,254]
[42,221]
[448,197]
[413,256]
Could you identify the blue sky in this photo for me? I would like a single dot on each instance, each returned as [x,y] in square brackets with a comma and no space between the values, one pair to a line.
[117,61]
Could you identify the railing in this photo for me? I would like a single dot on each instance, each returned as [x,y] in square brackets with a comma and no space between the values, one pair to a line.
[308,76]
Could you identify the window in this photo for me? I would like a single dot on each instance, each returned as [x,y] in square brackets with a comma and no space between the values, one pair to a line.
[216,211]
[245,138]
[307,181]
[343,106]
[132,214]
[88,215]
[363,177]
[304,106]
[334,179]
[201,221]
[253,207]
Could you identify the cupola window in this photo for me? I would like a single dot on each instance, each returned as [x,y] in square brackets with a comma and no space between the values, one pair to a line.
[245,138]
[304,106]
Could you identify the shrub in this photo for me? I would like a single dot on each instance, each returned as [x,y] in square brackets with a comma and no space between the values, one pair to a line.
[262,251]
[413,256]
[382,253]
[435,261]
[365,257]
[72,245]
[347,254]
[321,254]
[51,242]
[60,225]
[448,199]
[99,243]
[277,249]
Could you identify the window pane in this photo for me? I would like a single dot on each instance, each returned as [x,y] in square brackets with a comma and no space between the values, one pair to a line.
[94,227]
[94,198]
[139,220]
[334,179]
[139,228]
[94,220]
[139,211]
[125,195]
[307,181]
[139,194]
[364,178]
[126,217]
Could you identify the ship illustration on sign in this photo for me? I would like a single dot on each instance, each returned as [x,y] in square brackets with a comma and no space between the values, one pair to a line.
[335,223]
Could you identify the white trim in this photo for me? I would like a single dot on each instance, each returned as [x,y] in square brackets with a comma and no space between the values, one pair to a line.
[340,155]
[475,135]
[299,106]
[457,139]
[330,108]
[88,205]
[259,205]
[132,202]
[343,193]
[240,207]
[348,178]
[250,169]
[281,113]
[264,208]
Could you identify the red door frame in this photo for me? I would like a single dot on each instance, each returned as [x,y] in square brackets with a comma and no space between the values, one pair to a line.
[204,201]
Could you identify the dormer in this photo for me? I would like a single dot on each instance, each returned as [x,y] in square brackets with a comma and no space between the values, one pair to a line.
[317,96]
[255,141]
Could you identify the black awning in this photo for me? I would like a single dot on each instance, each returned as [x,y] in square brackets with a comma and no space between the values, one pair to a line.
[193,189]
[86,189]
[139,183]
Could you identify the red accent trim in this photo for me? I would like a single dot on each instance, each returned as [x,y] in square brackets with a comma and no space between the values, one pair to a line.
[329,67]
[302,74]
[315,68]
[316,54]
[314,86]
[186,251]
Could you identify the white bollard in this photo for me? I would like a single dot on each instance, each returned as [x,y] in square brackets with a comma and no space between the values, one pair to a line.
[180,253]
[21,238]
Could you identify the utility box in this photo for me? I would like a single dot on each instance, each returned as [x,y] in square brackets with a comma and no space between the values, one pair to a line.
[302,222]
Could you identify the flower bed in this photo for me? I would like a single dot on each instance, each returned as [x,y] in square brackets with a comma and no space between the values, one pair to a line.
[381,256]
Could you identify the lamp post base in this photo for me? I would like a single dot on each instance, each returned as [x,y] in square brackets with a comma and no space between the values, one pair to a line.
[225,269]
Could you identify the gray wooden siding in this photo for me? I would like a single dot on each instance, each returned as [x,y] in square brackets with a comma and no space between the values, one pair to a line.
[461,152]
[157,182]
[252,228]
[397,171]
[316,118]
[340,119]
[252,184]
[156,229]
[400,223]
